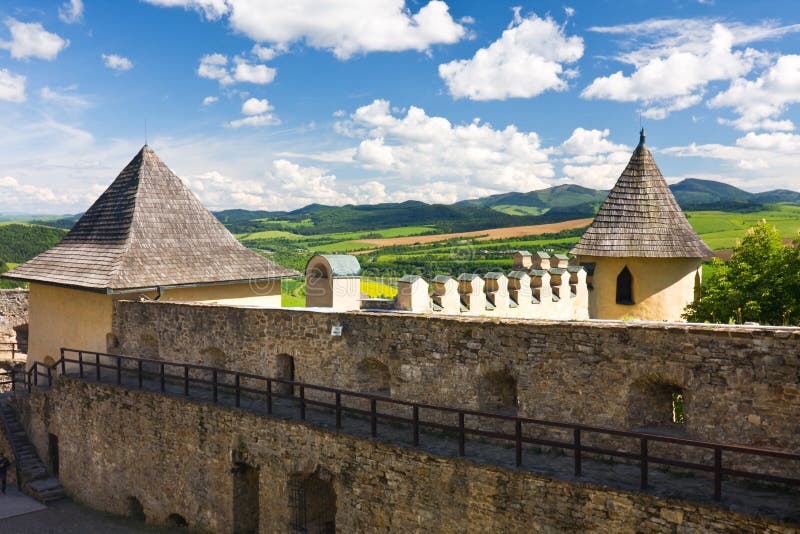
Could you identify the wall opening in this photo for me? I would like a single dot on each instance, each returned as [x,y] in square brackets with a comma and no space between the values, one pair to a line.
[111,342]
[52,454]
[135,509]
[372,376]
[625,287]
[21,337]
[656,403]
[285,370]
[497,392]
[312,505]
[245,498]
[177,520]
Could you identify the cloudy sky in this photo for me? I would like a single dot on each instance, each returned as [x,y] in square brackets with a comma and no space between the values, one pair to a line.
[273,104]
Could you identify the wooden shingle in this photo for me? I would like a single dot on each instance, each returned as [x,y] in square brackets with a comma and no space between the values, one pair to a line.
[147,230]
[641,218]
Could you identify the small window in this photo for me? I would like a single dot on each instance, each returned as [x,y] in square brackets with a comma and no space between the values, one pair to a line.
[625,287]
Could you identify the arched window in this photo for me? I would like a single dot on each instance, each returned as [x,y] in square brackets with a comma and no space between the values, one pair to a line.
[656,403]
[625,287]
[312,504]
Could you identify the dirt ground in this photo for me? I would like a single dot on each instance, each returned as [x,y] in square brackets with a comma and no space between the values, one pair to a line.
[482,235]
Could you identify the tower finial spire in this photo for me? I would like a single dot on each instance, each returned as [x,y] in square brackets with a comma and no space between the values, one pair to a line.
[641,136]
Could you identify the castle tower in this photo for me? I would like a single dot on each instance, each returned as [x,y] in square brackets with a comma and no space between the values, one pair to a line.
[643,255]
[147,236]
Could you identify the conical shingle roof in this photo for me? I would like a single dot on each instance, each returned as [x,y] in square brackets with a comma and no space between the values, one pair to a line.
[147,230]
[641,218]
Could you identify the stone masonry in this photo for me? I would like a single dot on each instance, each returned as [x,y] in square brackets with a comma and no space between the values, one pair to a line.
[739,384]
[13,318]
[175,458]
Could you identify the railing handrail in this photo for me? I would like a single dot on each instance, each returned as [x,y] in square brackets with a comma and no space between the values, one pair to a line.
[518,438]
[450,409]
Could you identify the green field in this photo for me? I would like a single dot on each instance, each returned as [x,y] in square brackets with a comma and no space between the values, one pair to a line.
[293,292]
[719,229]
[722,229]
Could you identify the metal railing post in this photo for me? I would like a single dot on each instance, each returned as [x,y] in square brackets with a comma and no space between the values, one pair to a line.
[80,364]
[576,438]
[643,464]
[373,417]
[302,403]
[186,380]
[518,441]
[49,376]
[163,378]
[214,384]
[63,363]
[269,395]
[415,417]
[119,371]
[461,434]
[139,372]
[36,374]
[13,351]
[97,365]
[338,410]
[717,474]
[238,392]
[13,379]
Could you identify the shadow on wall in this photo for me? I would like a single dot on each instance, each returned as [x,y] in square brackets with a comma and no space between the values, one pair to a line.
[372,376]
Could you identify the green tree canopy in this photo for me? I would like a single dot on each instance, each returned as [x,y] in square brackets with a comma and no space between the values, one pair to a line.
[760,283]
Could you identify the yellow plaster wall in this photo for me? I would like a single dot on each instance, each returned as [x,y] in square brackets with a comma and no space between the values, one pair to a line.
[662,287]
[61,317]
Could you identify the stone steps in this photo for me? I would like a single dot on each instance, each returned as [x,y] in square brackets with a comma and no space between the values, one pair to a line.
[36,479]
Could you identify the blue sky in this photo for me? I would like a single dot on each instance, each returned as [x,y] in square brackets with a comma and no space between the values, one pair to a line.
[266,104]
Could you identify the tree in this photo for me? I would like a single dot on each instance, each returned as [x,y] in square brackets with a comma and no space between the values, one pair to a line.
[760,283]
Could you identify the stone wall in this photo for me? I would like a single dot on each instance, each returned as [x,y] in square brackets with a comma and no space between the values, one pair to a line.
[738,384]
[175,457]
[13,318]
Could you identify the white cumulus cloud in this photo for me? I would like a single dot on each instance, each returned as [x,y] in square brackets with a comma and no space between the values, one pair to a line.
[473,156]
[255,106]
[71,11]
[345,28]
[12,86]
[31,40]
[528,59]
[674,61]
[217,67]
[257,113]
[761,101]
[590,159]
[207,101]
[116,62]
[211,9]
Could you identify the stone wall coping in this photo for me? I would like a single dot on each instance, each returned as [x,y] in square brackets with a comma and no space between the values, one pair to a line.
[699,328]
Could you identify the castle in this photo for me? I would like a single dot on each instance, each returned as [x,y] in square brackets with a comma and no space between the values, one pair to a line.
[165,383]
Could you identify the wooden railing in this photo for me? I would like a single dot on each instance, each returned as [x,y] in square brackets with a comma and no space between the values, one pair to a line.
[90,365]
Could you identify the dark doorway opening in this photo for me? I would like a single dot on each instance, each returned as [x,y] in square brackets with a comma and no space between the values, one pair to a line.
[285,370]
[245,498]
[52,453]
[135,509]
[312,505]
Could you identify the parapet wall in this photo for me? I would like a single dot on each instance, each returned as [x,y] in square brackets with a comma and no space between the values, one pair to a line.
[738,384]
[126,452]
